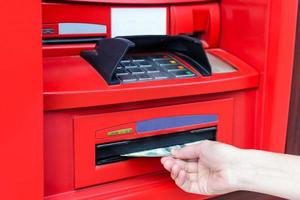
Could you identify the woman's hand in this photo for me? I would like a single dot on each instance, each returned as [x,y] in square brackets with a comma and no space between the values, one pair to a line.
[204,168]
[216,168]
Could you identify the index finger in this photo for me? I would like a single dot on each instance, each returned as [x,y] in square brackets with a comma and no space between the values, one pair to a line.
[189,152]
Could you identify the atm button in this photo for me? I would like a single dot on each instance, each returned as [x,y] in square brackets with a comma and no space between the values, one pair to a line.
[151,69]
[144,77]
[131,66]
[138,59]
[160,57]
[144,64]
[159,76]
[127,78]
[125,61]
[183,73]
[163,62]
[128,65]
[170,68]
[136,70]
[121,71]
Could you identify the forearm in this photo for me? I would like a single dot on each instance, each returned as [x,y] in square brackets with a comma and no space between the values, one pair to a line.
[269,173]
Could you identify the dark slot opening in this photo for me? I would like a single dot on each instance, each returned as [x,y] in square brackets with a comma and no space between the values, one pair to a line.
[111,152]
[71,40]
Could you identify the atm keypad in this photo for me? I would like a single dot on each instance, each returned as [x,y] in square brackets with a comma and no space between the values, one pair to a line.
[147,68]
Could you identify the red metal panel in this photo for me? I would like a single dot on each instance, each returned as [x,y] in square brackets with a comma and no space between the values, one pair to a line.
[54,13]
[142,1]
[154,186]
[256,32]
[59,165]
[277,85]
[86,173]
[70,82]
[197,18]
[250,31]
[21,168]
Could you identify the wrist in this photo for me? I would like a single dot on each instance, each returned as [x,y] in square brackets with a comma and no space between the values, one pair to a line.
[242,170]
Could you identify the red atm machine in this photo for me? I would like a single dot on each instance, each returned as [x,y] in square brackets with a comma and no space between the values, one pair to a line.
[122,76]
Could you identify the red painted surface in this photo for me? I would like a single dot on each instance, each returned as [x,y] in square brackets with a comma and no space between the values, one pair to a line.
[154,186]
[143,1]
[21,109]
[201,18]
[65,49]
[257,33]
[257,37]
[59,132]
[85,128]
[70,82]
[54,13]
[276,91]
[251,36]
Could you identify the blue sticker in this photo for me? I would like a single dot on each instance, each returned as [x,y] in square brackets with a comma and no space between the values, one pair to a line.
[158,124]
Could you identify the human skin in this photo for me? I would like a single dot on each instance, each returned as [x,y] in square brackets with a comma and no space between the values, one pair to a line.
[211,168]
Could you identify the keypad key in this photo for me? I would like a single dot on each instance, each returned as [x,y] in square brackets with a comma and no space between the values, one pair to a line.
[143,77]
[159,76]
[123,61]
[151,69]
[166,62]
[127,78]
[138,59]
[119,67]
[136,70]
[183,73]
[129,65]
[170,68]
[121,71]
[160,57]
[163,62]
[144,64]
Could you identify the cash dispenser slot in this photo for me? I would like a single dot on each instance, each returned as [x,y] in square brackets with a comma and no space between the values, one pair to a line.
[71,40]
[112,152]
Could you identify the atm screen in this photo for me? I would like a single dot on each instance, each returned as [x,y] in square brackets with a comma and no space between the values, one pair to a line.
[139,21]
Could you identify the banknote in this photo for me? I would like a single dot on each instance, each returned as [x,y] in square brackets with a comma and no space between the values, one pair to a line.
[159,152]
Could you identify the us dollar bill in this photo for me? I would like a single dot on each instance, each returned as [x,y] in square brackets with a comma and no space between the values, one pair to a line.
[159,152]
